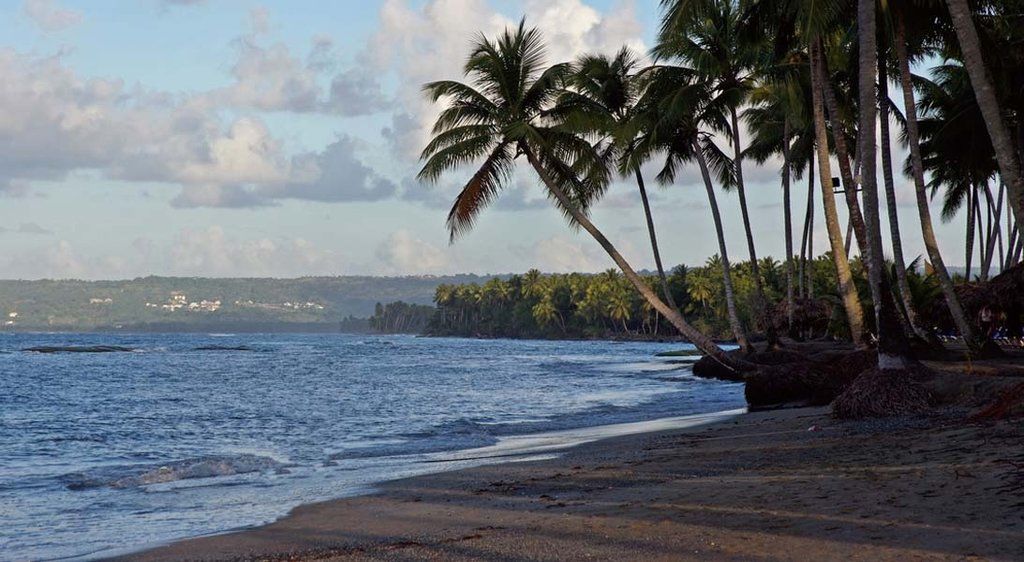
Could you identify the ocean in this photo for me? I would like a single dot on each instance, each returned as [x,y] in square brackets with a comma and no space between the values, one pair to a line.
[188,435]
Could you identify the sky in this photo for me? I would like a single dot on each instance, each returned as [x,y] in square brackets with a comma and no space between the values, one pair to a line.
[281,138]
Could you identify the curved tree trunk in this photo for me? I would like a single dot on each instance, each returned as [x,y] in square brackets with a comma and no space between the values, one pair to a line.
[697,338]
[787,217]
[847,290]
[764,318]
[730,294]
[988,103]
[890,201]
[843,157]
[654,240]
[924,213]
[893,346]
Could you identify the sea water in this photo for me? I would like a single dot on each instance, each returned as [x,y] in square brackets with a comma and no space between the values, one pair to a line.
[185,435]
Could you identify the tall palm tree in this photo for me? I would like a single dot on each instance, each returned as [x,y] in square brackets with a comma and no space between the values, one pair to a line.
[951,125]
[779,125]
[844,276]
[498,116]
[893,347]
[988,102]
[601,101]
[885,136]
[676,106]
[715,48]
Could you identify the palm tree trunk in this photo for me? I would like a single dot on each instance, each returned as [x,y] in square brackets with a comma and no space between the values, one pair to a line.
[924,213]
[698,339]
[991,227]
[787,216]
[847,290]
[890,200]
[654,240]
[810,215]
[969,235]
[843,156]
[730,294]
[982,238]
[764,318]
[988,103]
[893,346]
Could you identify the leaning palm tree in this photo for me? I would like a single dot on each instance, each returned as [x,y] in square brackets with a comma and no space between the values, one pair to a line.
[601,102]
[714,47]
[678,113]
[500,115]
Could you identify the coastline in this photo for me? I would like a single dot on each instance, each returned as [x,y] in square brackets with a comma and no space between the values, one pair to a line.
[777,485]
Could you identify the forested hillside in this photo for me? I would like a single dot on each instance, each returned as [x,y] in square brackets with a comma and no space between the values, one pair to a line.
[202,304]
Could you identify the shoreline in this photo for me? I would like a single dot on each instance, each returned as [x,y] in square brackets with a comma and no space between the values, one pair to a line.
[777,485]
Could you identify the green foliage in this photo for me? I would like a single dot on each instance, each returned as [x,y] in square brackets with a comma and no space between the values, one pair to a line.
[578,305]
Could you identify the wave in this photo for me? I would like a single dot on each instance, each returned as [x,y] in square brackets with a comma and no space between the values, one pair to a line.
[199,467]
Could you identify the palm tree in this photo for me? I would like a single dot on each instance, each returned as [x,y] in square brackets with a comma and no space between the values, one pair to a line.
[949,126]
[988,102]
[601,102]
[847,289]
[715,48]
[893,347]
[900,266]
[500,115]
[675,106]
[779,125]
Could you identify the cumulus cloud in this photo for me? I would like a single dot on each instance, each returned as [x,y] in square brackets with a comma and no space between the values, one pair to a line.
[430,42]
[404,253]
[53,122]
[211,251]
[273,78]
[560,254]
[51,17]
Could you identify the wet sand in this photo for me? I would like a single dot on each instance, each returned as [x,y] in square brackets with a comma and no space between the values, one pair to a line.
[783,485]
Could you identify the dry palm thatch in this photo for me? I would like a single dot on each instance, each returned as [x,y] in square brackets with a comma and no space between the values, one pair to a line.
[1010,404]
[877,393]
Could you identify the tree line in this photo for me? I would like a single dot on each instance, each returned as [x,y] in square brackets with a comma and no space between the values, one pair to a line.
[605,305]
[817,86]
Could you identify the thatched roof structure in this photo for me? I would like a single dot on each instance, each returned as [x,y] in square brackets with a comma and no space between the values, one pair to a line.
[1004,293]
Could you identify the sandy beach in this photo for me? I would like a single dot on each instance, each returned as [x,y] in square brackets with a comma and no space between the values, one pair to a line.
[781,485]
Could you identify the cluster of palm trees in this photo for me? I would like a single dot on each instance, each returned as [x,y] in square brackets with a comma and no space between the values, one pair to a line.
[811,81]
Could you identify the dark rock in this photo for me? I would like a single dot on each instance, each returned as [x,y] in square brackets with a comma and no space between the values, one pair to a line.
[79,349]
[708,368]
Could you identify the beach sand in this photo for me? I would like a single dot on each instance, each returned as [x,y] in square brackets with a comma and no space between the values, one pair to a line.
[761,486]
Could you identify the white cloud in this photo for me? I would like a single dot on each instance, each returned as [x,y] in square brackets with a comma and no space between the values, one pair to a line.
[211,251]
[404,253]
[561,254]
[272,78]
[431,42]
[51,17]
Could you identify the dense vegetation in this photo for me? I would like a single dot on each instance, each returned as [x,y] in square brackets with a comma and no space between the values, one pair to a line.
[811,81]
[401,318]
[605,305]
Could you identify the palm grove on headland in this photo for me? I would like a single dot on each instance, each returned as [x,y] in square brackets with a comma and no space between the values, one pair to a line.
[811,81]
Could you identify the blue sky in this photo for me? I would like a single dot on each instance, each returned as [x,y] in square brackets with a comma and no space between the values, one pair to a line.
[231,137]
